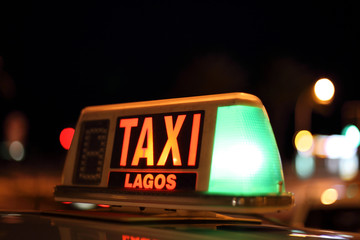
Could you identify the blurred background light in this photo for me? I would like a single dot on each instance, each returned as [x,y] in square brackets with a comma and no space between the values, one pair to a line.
[329,196]
[303,141]
[348,167]
[324,90]
[337,146]
[319,148]
[66,137]
[352,133]
[304,165]
[17,151]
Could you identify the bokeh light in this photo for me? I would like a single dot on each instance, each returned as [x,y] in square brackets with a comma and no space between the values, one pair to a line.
[348,167]
[66,137]
[352,134]
[329,196]
[337,146]
[304,165]
[17,151]
[324,90]
[303,141]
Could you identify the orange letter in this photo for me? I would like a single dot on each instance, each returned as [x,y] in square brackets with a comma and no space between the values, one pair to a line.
[148,151]
[162,180]
[127,124]
[127,184]
[171,182]
[172,141]
[138,181]
[148,181]
[194,139]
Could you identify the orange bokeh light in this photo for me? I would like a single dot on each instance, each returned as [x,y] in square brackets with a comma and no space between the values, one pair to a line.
[66,137]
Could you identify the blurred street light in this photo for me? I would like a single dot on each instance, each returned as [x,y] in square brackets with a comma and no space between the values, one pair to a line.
[338,153]
[329,196]
[322,92]
[303,141]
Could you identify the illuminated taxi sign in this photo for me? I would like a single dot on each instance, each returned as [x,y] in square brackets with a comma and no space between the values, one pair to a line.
[136,137]
[157,141]
[215,152]
[245,158]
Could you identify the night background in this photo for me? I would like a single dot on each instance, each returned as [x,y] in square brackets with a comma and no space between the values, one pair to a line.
[59,57]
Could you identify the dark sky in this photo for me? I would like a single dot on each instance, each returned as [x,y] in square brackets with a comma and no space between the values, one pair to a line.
[63,56]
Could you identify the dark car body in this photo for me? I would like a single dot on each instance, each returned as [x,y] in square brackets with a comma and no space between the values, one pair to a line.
[92,225]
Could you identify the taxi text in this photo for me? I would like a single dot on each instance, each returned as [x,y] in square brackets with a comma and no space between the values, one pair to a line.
[151,181]
[167,140]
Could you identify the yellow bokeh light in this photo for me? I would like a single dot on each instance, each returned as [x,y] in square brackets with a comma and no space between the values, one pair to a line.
[329,196]
[324,90]
[303,141]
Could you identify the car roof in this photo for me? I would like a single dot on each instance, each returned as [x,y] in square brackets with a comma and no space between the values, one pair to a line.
[67,225]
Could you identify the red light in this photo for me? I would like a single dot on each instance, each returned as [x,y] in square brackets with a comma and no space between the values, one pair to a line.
[66,137]
[104,205]
[66,202]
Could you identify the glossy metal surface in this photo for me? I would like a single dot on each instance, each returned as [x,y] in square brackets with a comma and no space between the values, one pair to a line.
[110,226]
[189,201]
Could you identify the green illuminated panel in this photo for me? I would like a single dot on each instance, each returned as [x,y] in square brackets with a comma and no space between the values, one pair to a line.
[245,158]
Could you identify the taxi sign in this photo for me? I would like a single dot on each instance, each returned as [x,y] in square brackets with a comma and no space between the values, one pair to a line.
[215,153]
